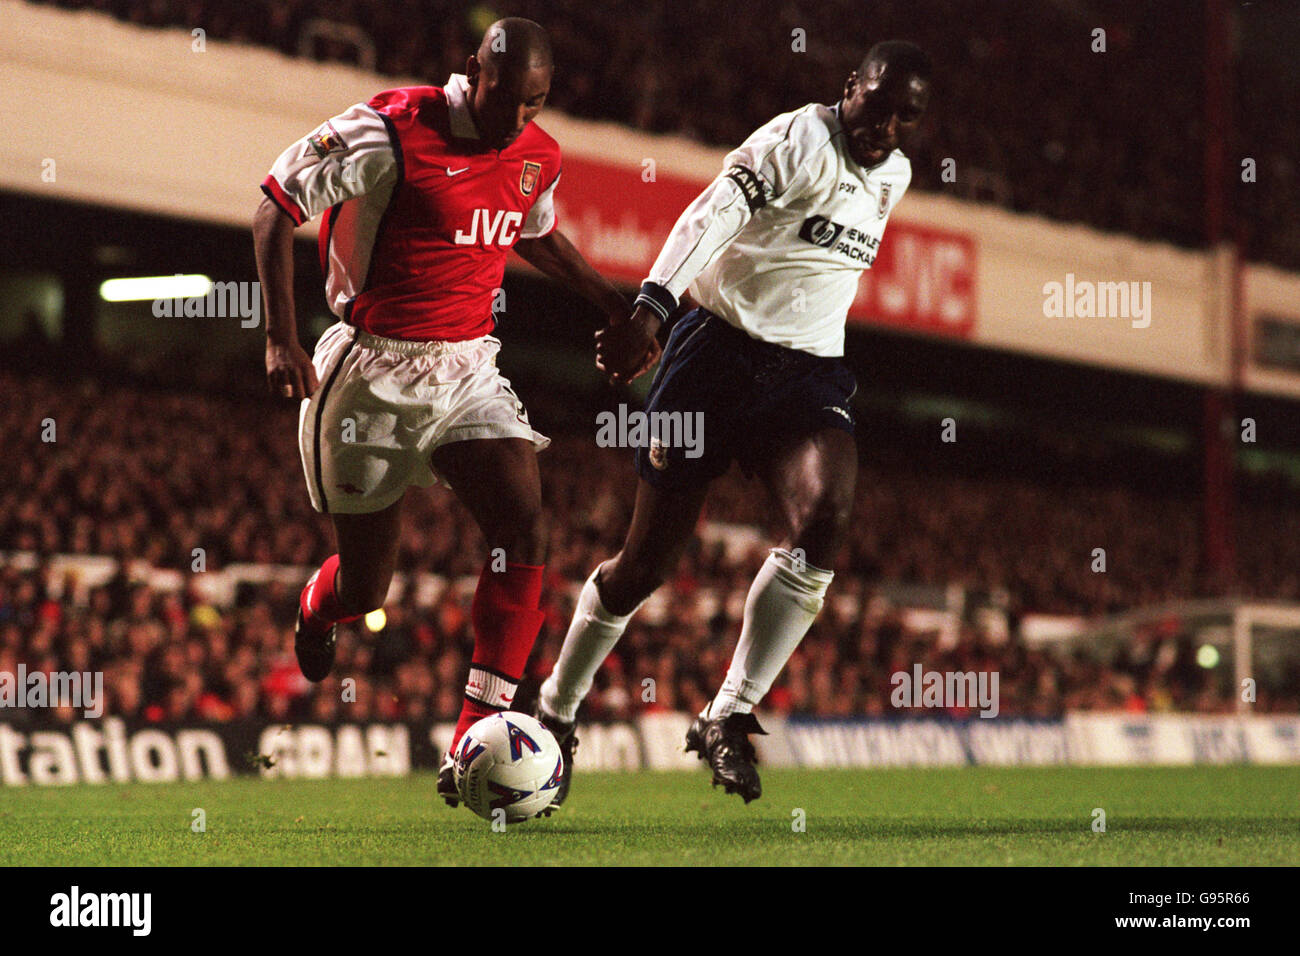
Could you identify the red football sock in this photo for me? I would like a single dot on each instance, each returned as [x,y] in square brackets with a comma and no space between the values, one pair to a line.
[320,600]
[506,621]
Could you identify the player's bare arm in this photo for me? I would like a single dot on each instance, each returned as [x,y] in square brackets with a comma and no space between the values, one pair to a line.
[628,337]
[289,369]
[555,256]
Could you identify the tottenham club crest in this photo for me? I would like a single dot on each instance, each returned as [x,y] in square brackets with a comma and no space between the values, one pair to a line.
[883,209]
[658,454]
[528,178]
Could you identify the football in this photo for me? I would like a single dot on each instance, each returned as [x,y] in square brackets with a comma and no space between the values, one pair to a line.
[508,762]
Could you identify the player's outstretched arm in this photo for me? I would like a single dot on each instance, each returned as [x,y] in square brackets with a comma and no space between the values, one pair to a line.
[777,164]
[705,228]
[554,255]
[627,346]
[289,370]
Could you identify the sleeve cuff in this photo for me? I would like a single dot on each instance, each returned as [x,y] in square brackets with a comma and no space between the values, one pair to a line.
[657,299]
[555,222]
[275,192]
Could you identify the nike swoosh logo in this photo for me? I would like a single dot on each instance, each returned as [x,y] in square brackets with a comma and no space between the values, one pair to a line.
[455,172]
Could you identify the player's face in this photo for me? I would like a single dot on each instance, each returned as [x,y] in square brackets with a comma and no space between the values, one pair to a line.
[880,108]
[505,102]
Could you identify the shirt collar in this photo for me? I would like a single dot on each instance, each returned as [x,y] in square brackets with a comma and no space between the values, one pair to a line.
[462,123]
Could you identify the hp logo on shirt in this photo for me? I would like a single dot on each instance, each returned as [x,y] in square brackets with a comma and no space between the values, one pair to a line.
[820,231]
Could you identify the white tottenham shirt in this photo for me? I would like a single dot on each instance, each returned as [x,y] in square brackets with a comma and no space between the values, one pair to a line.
[777,243]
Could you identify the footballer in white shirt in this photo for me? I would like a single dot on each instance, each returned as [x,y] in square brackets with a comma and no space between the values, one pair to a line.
[772,251]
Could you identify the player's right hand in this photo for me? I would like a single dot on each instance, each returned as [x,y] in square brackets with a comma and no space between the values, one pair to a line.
[627,350]
[289,370]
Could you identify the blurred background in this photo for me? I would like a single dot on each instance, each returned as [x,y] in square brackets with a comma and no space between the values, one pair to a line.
[161,532]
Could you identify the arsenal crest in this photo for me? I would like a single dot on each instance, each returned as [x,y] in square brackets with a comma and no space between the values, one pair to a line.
[883,210]
[528,178]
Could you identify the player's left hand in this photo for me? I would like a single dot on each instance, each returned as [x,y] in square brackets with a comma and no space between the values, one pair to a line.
[627,350]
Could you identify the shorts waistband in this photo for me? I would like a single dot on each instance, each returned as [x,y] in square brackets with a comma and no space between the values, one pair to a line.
[416,346]
[762,346]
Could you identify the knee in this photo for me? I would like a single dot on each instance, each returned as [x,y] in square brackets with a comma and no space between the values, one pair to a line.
[823,524]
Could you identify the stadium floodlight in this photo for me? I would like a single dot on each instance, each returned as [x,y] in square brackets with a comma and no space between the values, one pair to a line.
[376,619]
[150,288]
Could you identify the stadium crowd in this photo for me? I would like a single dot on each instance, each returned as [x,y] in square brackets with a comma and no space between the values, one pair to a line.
[146,476]
[1034,118]
[173,657]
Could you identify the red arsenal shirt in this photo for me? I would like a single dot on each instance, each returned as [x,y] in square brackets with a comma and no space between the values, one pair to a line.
[418,216]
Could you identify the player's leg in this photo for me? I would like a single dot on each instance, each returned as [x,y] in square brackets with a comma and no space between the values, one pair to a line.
[662,525]
[698,377]
[812,481]
[809,465]
[354,482]
[663,522]
[367,557]
[351,582]
[498,482]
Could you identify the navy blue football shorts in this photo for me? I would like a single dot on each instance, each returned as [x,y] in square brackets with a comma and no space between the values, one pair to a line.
[747,399]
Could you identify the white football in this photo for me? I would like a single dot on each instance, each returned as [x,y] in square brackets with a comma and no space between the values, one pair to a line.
[508,762]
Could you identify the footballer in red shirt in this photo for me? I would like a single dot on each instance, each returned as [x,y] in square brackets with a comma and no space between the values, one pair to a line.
[423,191]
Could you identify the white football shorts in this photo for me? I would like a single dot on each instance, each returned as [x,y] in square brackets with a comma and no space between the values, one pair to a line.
[384,405]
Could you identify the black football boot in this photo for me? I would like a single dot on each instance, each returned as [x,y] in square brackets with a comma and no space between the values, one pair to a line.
[447,781]
[725,746]
[314,645]
[566,736]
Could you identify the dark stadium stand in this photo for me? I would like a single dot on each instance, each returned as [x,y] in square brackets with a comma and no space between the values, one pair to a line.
[1044,126]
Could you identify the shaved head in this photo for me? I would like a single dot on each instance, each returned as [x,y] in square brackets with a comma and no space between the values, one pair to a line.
[904,57]
[515,45]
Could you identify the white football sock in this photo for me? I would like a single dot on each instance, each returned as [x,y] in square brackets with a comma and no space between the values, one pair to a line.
[592,634]
[784,599]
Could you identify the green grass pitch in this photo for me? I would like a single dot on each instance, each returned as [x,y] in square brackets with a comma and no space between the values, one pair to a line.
[1203,816]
